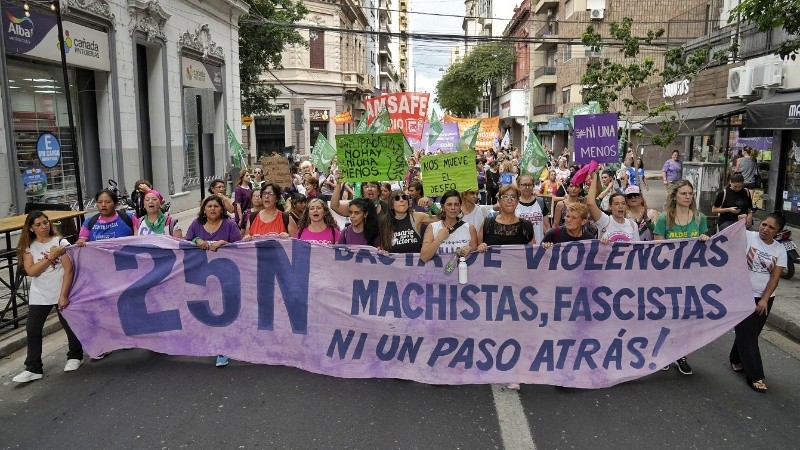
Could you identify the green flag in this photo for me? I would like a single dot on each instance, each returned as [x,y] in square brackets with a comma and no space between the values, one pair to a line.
[467,140]
[534,159]
[435,128]
[322,153]
[381,123]
[622,145]
[237,157]
[591,108]
[362,125]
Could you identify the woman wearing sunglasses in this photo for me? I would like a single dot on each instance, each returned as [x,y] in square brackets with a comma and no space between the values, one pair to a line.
[401,226]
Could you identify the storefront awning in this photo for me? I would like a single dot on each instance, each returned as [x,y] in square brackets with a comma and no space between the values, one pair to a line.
[779,112]
[693,121]
[554,124]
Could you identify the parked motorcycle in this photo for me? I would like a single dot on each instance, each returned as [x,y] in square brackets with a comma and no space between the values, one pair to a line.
[792,257]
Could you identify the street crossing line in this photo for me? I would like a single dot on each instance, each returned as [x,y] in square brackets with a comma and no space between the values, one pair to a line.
[514,428]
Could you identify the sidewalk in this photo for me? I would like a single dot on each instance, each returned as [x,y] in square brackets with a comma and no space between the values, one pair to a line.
[785,314]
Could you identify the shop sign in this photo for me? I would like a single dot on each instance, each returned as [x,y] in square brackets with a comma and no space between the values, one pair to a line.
[318,115]
[48,149]
[676,93]
[197,74]
[36,36]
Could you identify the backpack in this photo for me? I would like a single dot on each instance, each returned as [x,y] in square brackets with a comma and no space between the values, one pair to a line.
[122,215]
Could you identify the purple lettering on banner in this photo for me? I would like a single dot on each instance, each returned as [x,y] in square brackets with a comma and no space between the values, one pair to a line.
[590,316]
[595,138]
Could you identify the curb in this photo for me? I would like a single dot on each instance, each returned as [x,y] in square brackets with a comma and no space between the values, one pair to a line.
[18,339]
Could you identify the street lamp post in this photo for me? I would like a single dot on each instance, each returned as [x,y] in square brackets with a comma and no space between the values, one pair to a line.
[55,5]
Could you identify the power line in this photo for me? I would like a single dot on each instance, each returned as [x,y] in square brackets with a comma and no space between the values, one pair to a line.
[432,37]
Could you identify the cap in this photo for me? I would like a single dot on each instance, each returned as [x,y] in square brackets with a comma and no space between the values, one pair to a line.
[632,190]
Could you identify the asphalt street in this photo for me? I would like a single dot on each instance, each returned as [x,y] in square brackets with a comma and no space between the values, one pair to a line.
[140,399]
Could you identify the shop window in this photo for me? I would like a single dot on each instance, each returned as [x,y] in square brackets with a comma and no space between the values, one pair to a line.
[791,185]
[39,105]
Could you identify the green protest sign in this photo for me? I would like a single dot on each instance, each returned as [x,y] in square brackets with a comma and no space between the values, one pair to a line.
[441,173]
[372,157]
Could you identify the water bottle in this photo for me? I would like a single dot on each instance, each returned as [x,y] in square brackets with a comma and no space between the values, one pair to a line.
[462,270]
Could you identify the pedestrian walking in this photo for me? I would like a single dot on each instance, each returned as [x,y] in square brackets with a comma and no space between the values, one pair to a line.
[766,259]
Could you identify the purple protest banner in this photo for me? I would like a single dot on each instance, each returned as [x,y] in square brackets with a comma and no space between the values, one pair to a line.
[580,314]
[447,141]
[595,138]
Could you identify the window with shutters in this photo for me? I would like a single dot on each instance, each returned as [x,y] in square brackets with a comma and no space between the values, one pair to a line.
[316,47]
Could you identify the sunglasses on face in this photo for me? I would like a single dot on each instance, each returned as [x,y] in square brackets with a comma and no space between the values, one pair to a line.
[400,197]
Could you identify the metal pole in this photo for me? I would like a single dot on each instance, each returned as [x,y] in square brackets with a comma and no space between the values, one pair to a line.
[200,166]
[73,136]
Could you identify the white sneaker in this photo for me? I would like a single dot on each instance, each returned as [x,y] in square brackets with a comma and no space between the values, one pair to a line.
[100,356]
[72,364]
[27,376]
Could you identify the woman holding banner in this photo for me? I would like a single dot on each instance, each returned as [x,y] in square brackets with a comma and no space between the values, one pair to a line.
[574,228]
[44,256]
[401,227]
[680,220]
[364,228]
[211,230]
[317,224]
[615,226]
[155,221]
[766,259]
[270,220]
[449,235]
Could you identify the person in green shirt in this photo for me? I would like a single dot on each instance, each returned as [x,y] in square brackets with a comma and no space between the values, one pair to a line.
[681,220]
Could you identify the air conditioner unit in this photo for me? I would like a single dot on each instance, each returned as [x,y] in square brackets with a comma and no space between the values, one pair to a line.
[597,14]
[769,74]
[740,83]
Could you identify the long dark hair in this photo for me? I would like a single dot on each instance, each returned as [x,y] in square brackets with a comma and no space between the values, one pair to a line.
[371,224]
[27,236]
[389,221]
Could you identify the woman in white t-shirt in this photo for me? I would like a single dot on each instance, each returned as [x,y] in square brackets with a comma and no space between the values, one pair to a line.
[44,256]
[614,227]
[450,235]
[766,259]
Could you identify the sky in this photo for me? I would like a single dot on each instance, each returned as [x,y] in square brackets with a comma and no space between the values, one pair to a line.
[428,57]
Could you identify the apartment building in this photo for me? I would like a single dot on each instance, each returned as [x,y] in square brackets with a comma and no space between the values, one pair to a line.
[328,77]
[559,59]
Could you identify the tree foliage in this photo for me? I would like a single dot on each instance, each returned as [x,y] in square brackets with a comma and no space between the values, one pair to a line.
[461,88]
[771,14]
[606,80]
[260,47]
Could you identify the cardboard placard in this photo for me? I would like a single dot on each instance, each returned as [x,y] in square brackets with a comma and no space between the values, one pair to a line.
[276,170]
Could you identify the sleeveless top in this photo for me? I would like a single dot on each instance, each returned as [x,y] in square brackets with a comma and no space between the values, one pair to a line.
[405,238]
[455,241]
[275,226]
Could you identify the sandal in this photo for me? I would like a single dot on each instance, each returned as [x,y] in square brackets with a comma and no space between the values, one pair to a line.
[758,386]
[736,367]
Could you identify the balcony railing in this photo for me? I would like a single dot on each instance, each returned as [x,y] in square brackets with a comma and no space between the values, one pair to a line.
[548,29]
[544,71]
[544,109]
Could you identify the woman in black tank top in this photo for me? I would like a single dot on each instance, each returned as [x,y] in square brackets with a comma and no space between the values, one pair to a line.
[400,227]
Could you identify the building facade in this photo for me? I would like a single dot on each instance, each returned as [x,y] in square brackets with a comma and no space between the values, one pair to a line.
[515,96]
[559,58]
[152,87]
[328,77]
